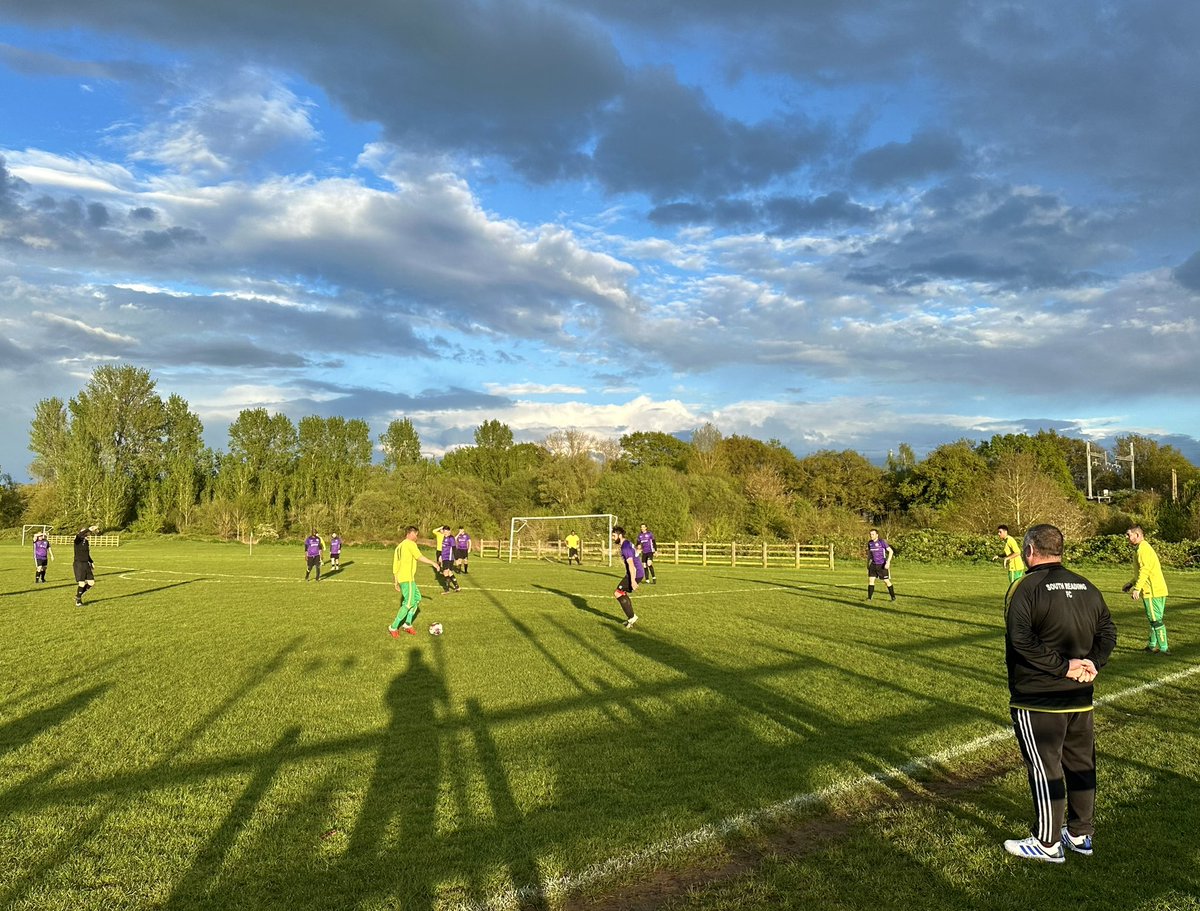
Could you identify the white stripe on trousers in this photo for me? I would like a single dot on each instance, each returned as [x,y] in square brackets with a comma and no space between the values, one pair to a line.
[1042,805]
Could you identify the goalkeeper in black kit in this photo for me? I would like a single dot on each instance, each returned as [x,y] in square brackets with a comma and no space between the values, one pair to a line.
[1058,635]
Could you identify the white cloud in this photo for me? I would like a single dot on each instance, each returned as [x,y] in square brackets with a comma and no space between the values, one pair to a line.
[533,389]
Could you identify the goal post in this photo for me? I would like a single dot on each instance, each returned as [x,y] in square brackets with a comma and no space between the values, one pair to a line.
[518,524]
[44,529]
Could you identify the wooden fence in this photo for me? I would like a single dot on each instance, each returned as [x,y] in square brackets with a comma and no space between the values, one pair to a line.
[680,553]
[93,540]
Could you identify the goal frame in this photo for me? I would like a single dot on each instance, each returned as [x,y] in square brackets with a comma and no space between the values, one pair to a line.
[514,529]
[45,529]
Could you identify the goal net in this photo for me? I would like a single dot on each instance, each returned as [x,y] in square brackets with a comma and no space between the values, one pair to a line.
[545,536]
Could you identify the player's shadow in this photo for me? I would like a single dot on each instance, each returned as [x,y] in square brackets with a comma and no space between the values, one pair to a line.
[146,591]
[399,807]
[579,602]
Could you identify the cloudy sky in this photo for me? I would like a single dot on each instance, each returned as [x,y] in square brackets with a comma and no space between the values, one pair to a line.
[838,223]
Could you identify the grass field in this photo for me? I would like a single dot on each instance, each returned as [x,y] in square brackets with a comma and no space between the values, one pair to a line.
[209,731]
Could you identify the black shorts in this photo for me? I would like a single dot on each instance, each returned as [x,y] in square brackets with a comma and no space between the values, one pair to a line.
[448,564]
[647,557]
[461,553]
[40,562]
[876,570]
[83,572]
[572,552]
[313,561]
[625,586]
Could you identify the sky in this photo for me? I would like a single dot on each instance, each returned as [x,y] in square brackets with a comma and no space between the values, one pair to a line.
[841,224]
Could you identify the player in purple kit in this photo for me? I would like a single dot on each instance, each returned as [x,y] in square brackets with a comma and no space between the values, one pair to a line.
[462,550]
[633,575]
[648,546]
[313,546]
[41,554]
[448,580]
[335,552]
[879,564]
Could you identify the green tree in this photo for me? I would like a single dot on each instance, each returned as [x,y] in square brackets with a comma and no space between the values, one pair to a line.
[655,496]
[12,503]
[1044,450]
[257,475]
[566,483]
[105,449]
[706,449]
[49,439]
[182,471]
[944,476]
[653,449]
[333,455]
[743,456]
[1153,465]
[842,479]
[401,444]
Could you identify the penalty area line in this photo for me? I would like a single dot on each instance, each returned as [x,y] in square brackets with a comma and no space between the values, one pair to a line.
[568,883]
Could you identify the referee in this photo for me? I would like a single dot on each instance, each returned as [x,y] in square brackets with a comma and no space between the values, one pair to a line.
[1058,635]
[85,576]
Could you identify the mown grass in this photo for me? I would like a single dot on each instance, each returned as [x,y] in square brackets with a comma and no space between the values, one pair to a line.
[209,731]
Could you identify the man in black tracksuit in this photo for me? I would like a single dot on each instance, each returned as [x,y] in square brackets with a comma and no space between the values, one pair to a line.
[1058,635]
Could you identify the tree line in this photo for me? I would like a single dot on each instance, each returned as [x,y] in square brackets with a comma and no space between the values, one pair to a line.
[120,454]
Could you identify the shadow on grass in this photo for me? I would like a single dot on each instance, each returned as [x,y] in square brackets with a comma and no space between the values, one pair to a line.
[147,591]
[21,730]
[579,602]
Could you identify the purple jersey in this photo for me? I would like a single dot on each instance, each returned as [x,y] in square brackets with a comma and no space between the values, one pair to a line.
[463,542]
[448,547]
[41,547]
[312,546]
[627,551]
[877,551]
[646,542]
[335,547]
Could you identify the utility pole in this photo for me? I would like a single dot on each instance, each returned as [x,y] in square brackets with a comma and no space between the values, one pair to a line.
[1103,456]
[1129,459]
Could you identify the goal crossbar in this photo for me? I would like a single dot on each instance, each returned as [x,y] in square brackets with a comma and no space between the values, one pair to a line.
[515,529]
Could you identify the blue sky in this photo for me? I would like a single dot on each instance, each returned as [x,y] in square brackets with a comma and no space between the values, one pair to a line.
[840,225]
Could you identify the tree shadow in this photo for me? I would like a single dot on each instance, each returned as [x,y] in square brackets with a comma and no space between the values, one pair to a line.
[520,860]
[21,730]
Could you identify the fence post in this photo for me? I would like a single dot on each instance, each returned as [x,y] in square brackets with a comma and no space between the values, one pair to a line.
[704,553]
[676,553]
[831,555]
[733,553]
[797,555]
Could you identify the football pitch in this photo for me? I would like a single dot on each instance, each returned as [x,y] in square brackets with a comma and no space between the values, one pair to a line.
[211,731]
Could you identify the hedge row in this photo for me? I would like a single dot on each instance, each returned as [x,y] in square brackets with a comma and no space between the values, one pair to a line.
[928,546]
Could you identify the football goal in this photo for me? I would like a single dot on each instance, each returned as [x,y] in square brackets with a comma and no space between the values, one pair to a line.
[544,535]
[33,530]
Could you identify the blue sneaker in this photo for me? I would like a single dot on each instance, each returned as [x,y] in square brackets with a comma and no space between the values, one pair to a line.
[1032,849]
[1080,844]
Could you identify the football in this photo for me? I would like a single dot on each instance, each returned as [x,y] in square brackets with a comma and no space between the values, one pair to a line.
[435,629]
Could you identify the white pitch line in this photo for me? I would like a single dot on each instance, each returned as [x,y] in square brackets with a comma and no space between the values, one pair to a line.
[560,886]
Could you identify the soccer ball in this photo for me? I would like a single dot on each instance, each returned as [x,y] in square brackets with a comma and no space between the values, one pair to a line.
[435,629]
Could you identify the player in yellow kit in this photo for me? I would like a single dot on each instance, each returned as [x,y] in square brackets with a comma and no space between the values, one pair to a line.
[1150,587]
[1011,556]
[404,577]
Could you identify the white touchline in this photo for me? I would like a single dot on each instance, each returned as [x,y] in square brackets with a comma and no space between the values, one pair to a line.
[608,869]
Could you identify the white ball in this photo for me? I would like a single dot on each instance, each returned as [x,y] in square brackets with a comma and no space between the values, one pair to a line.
[435,629]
